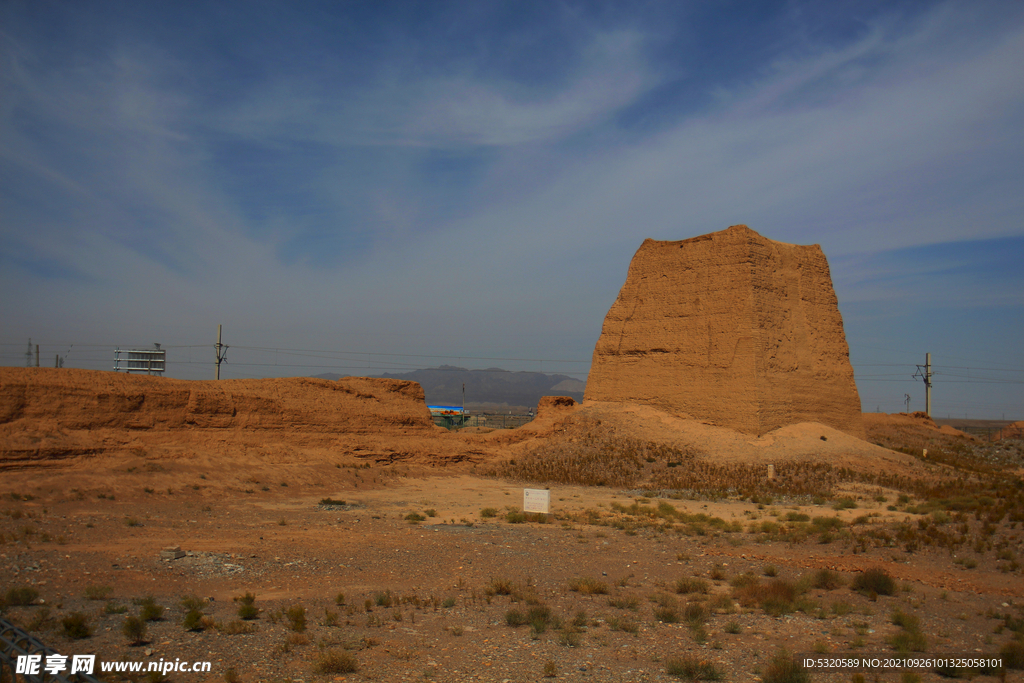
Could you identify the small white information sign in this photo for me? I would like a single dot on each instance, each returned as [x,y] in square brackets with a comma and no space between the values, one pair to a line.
[537,500]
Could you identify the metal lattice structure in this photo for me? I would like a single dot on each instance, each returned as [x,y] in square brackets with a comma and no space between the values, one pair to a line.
[15,642]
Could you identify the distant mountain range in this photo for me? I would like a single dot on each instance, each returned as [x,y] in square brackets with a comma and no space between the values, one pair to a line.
[490,389]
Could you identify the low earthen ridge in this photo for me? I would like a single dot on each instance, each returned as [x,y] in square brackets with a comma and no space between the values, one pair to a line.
[730,328]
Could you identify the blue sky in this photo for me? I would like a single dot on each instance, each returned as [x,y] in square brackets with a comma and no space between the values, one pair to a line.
[397,185]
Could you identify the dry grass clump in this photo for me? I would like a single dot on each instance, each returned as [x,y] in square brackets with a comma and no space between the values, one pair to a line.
[665,516]
[588,586]
[515,618]
[691,584]
[247,606]
[666,609]
[775,597]
[98,592]
[909,638]
[874,581]
[500,585]
[587,458]
[625,602]
[76,626]
[692,668]
[296,615]
[623,624]
[20,596]
[134,629]
[826,579]
[1013,654]
[149,610]
[236,627]
[785,669]
[335,662]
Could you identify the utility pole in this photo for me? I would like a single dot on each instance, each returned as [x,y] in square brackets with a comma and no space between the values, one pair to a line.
[463,404]
[925,372]
[28,354]
[37,355]
[222,354]
[906,399]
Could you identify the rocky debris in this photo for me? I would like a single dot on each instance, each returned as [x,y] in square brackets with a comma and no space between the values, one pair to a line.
[210,564]
[729,327]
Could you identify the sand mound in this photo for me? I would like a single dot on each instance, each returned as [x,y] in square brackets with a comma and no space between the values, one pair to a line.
[914,430]
[802,442]
[615,422]
[916,419]
[732,327]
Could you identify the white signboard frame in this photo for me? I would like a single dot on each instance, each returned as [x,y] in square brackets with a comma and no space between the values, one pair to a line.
[537,500]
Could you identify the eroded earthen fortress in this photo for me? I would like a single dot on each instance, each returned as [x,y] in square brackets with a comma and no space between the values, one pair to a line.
[730,328]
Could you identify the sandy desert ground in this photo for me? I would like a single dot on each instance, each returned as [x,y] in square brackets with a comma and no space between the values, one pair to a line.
[394,551]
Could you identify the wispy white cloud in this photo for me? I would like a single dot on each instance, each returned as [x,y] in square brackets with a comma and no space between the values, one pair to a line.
[455,109]
[128,172]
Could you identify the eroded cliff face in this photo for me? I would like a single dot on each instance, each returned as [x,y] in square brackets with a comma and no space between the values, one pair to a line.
[89,399]
[730,328]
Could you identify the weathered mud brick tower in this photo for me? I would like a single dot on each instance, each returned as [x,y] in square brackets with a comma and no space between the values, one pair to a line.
[731,328]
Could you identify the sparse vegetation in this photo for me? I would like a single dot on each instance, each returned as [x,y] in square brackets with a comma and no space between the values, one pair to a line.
[874,581]
[296,615]
[98,592]
[693,668]
[785,669]
[193,620]
[335,662]
[134,629]
[76,626]
[826,579]
[149,610]
[21,596]
[909,638]
[247,609]
[691,585]
[588,586]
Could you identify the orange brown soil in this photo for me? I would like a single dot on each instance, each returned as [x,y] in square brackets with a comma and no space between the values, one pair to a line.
[100,472]
[730,327]
[915,430]
[1012,431]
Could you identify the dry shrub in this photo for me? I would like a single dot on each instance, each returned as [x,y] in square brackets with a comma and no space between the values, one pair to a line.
[692,668]
[826,579]
[500,586]
[775,597]
[587,457]
[875,581]
[335,662]
[515,618]
[236,627]
[588,586]
[691,584]
[785,669]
